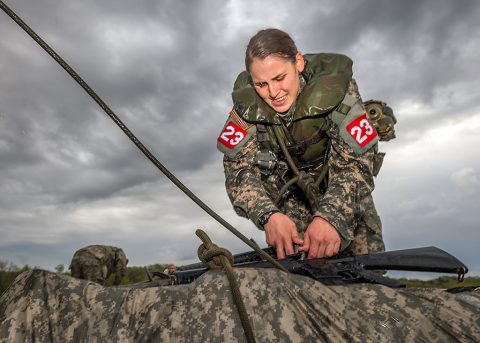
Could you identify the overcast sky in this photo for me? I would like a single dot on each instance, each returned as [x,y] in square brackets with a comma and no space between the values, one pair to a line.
[69,177]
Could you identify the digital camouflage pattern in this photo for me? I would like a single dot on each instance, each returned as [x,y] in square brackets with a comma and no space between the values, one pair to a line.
[350,183]
[43,306]
[368,237]
[97,262]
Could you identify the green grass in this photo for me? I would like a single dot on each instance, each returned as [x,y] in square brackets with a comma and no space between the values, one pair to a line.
[442,282]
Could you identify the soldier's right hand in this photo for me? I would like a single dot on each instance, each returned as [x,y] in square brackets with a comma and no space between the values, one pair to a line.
[281,233]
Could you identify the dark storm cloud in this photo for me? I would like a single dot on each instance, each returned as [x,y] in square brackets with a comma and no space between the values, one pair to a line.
[417,50]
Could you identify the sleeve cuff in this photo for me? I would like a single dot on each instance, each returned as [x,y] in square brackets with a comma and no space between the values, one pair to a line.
[338,221]
[256,213]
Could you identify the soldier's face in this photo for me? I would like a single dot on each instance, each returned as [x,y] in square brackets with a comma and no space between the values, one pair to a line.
[276,80]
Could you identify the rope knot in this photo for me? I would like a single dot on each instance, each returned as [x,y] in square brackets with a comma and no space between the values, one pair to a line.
[211,254]
[305,180]
[217,258]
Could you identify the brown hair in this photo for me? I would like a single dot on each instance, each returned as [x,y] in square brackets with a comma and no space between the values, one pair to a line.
[270,42]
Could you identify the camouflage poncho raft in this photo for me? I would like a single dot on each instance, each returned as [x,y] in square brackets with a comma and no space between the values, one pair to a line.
[42,306]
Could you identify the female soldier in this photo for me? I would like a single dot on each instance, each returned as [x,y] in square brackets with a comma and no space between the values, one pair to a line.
[299,148]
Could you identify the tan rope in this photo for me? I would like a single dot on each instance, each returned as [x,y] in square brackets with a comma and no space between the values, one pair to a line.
[216,258]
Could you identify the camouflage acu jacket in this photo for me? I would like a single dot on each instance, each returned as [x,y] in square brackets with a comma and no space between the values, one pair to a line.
[98,262]
[350,138]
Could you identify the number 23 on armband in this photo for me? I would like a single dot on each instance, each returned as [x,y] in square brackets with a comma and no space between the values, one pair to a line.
[232,135]
[362,130]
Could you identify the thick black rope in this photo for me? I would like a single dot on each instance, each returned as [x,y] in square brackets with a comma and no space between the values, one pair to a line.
[215,258]
[132,137]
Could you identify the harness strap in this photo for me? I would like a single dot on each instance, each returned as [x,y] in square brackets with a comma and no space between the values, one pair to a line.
[263,138]
[299,148]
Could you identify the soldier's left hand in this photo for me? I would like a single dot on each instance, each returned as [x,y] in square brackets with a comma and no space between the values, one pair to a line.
[321,239]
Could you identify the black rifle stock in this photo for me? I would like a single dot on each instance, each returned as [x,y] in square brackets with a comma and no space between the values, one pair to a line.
[345,270]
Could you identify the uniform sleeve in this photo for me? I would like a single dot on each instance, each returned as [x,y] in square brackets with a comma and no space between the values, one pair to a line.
[350,178]
[244,185]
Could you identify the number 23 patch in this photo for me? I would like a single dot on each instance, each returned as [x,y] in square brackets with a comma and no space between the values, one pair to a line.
[362,130]
[232,135]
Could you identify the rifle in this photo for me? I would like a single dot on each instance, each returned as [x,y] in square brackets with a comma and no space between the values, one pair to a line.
[342,270]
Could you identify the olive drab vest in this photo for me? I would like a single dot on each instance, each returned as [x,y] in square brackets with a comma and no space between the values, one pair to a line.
[327,78]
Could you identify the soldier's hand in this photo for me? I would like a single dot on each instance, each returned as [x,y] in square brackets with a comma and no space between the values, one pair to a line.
[321,239]
[281,233]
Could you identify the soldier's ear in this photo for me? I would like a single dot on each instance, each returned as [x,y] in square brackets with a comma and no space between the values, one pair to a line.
[299,62]
[126,262]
